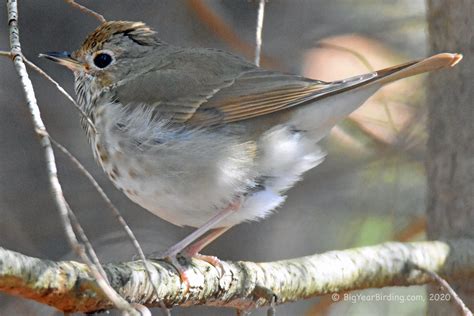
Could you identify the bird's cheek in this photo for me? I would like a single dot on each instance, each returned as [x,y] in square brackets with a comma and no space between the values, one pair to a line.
[104,79]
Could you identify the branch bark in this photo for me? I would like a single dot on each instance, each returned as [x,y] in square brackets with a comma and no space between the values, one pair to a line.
[44,140]
[70,287]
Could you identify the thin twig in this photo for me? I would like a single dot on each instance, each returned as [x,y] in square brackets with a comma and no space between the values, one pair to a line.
[443,283]
[61,89]
[51,168]
[76,162]
[358,55]
[368,65]
[218,26]
[95,266]
[57,85]
[114,210]
[87,243]
[86,10]
[258,47]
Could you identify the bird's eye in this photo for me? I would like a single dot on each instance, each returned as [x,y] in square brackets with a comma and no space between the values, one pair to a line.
[102,60]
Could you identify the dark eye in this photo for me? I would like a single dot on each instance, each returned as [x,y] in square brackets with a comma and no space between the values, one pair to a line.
[102,60]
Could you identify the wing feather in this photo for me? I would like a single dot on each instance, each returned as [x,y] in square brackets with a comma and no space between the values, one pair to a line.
[209,87]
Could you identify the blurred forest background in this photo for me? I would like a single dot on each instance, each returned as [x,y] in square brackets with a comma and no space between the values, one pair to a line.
[370,189]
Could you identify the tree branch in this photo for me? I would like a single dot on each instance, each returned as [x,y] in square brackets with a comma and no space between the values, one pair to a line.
[44,140]
[86,10]
[259,29]
[69,286]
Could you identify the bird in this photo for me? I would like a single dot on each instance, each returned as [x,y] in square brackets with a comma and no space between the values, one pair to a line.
[201,137]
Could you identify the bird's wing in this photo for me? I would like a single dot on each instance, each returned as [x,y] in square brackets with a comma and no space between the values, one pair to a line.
[179,82]
[209,87]
[259,92]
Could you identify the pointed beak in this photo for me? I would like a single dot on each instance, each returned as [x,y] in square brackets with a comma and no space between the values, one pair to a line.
[65,59]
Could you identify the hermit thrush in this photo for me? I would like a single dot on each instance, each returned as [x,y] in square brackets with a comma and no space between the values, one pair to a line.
[201,137]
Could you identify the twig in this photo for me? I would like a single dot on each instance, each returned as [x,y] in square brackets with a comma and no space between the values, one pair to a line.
[414,228]
[61,89]
[443,283]
[222,30]
[368,65]
[94,183]
[114,210]
[356,54]
[88,245]
[51,168]
[86,10]
[57,85]
[258,47]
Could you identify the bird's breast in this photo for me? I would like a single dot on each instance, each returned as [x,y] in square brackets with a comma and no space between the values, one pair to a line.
[182,175]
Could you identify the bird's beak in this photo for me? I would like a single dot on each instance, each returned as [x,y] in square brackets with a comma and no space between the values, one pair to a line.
[65,59]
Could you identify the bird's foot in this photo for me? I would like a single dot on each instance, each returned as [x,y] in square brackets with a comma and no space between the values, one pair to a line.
[193,252]
[181,262]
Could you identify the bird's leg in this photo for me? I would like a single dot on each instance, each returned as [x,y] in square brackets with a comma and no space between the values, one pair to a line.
[210,224]
[194,248]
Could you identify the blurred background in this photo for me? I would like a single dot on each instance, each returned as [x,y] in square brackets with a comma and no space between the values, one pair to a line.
[370,189]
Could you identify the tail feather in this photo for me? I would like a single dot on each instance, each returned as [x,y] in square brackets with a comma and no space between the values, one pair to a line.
[334,104]
[388,75]
[413,68]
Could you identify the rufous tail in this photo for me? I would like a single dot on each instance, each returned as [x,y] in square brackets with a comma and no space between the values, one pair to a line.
[413,68]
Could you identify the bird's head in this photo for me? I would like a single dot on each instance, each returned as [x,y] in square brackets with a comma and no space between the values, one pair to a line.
[112,52]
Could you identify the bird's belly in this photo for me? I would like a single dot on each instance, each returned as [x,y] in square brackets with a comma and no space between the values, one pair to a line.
[178,181]
[188,178]
[180,199]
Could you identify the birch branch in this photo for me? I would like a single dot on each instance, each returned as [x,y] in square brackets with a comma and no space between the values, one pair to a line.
[258,33]
[51,169]
[70,287]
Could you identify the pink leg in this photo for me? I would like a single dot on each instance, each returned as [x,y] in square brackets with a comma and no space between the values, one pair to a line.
[210,224]
[194,249]
[202,243]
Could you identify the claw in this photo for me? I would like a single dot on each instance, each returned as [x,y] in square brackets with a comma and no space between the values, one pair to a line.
[213,261]
[182,271]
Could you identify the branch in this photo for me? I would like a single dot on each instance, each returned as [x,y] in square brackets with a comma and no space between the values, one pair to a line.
[444,284]
[86,10]
[57,85]
[222,30]
[258,36]
[70,287]
[55,186]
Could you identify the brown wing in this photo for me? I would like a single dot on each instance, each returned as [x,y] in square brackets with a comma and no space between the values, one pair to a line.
[208,87]
[258,92]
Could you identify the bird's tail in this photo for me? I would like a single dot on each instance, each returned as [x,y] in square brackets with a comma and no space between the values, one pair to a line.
[413,68]
[331,110]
